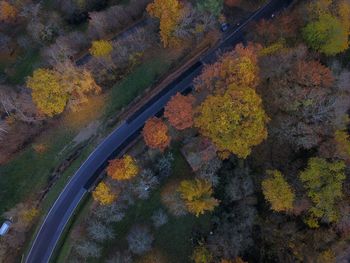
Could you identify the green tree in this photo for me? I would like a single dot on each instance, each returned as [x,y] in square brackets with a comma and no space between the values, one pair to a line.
[277,191]
[323,181]
[212,6]
[234,121]
[197,195]
[327,34]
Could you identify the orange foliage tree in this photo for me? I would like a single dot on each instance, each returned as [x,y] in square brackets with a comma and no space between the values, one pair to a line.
[238,66]
[122,169]
[155,134]
[169,14]
[7,11]
[179,111]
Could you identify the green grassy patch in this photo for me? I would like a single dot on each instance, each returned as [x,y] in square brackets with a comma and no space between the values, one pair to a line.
[24,66]
[30,171]
[141,78]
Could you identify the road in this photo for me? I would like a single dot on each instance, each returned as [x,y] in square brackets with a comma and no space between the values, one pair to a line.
[63,208]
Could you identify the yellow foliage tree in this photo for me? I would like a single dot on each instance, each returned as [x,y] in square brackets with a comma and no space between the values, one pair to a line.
[53,89]
[101,48]
[342,139]
[234,121]
[197,195]
[122,169]
[278,192]
[169,13]
[103,194]
[202,255]
[47,94]
[7,11]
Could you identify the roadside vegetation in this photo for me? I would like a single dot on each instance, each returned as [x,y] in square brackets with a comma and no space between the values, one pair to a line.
[250,166]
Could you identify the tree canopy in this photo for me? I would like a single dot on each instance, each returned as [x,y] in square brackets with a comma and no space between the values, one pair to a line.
[101,48]
[234,121]
[155,134]
[103,194]
[122,169]
[323,181]
[179,111]
[277,191]
[197,195]
[169,13]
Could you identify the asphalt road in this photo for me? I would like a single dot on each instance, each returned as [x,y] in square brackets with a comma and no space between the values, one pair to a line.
[61,211]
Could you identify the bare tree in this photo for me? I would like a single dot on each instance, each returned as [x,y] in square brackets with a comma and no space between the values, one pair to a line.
[87,249]
[99,231]
[140,240]
[159,218]
[145,182]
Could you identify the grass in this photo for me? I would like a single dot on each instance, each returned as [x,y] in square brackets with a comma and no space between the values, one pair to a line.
[25,66]
[174,239]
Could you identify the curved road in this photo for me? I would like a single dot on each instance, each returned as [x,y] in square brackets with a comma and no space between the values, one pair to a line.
[61,211]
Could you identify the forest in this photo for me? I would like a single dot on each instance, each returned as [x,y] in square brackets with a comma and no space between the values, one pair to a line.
[250,162]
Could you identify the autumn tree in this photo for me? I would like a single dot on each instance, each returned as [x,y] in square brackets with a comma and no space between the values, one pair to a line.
[155,134]
[342,139]
[169,13]
[302,97]
[328,30]
[202,255]
[52,89]
[8,12]
[277,191]
[103,194]
[101,48]
[77,82]
[47,93]
[122,169]
[238,66]
[179,111]
[323,181]
[212,6]
[234,121]
[197,195]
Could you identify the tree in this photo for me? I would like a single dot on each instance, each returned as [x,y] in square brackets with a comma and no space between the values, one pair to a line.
[172,200]
[327,35]
[103,194]
[323,181]
[155,134]
[123,169]
[342,143]
[145,182]
[301,96]
[236,67]
[88,249]
[179,111]
[212,6]
[47,93]
[78,83]
[197,195]
[202,255]
[277,191]
[234,121]
[159,218]
[8,12]
[140,240]
[101,48]
[165,165]
[99,232]
[112,213]
[169,13]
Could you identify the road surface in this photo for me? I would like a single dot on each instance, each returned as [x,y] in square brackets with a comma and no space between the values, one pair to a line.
[61,211]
